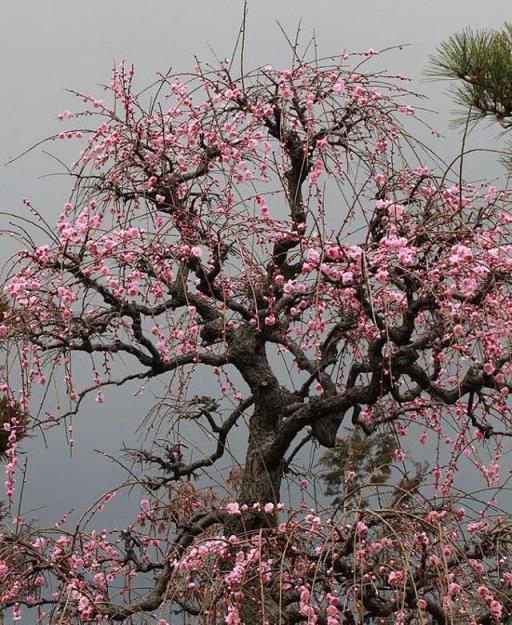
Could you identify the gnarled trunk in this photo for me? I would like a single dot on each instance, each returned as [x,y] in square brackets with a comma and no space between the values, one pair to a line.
[261,480]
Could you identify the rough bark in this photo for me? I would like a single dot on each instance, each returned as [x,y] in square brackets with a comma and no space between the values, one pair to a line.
[261,480]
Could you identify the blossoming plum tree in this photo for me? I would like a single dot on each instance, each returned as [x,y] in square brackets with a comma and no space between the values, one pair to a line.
[226,229]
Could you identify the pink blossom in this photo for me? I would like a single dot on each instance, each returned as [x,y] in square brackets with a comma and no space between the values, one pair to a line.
[489,368]
[145,505]
[496,608]
[395,578]
[454,588]
[313,257]
[233,616]
[339,87]
[382,275]
[233,508]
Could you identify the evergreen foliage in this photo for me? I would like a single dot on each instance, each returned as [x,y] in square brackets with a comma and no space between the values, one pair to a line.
[481,64]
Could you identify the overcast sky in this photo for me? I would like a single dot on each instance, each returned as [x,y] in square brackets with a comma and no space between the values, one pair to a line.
[48,46]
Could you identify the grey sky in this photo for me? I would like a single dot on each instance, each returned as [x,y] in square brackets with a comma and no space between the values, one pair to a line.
[48,46]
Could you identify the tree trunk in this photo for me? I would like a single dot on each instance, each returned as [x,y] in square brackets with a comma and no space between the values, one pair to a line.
[261,482]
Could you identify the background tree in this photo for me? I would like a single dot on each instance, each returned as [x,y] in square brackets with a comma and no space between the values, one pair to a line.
[266,234]
[481,64]
[360,456]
